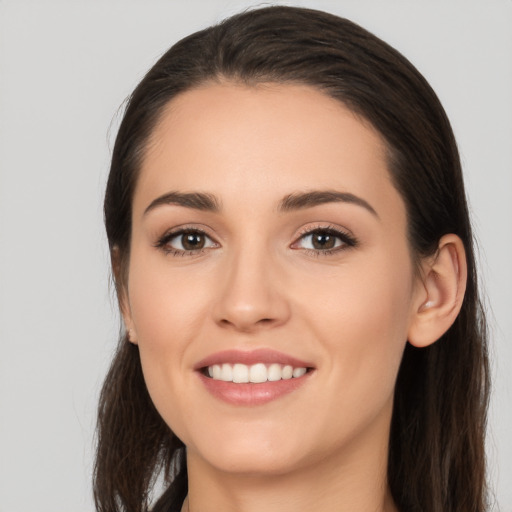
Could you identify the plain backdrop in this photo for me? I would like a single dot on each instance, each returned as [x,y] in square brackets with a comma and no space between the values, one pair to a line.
[65,68]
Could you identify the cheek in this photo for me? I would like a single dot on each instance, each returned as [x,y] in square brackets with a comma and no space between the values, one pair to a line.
[171,312]
[166,304]
[361,315]
[167,310]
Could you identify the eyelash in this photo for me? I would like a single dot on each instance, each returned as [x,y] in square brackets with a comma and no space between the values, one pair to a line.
[163,242]
[347,241]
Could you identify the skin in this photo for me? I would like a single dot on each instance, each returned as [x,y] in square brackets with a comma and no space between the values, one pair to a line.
[259,283]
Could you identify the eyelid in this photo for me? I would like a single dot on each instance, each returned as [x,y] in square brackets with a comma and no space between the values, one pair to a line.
[163,240]
[347,238]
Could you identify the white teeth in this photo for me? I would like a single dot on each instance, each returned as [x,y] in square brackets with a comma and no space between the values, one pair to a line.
[240,373]
[287,372]
[256,373]
[217,372]
[226,373]
[298,372]
[274,372]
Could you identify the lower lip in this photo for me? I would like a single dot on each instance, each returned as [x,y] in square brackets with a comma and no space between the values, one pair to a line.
[249,394]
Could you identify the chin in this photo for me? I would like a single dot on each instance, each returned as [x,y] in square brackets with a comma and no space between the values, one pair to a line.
[250,450]
[257,462]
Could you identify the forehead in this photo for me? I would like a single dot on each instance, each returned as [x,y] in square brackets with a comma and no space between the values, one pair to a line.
[260,143]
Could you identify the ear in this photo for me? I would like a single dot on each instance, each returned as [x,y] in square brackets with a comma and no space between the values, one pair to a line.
[441,293]
[122,294]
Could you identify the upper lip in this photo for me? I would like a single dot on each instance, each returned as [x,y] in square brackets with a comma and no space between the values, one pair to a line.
[250,357]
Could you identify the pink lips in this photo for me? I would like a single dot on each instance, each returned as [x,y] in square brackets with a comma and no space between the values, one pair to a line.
[251,394]
[261,355]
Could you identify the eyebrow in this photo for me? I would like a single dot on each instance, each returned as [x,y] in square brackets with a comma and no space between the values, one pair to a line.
[292,202]
[194,200]
[301,200]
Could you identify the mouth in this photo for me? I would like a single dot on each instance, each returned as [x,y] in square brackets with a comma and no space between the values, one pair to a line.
[249,378]
[258,373]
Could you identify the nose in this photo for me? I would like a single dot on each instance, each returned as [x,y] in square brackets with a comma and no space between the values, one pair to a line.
[252,296]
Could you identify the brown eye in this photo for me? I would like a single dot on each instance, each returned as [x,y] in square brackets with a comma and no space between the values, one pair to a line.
[185,241]
[191,241]
[323,241]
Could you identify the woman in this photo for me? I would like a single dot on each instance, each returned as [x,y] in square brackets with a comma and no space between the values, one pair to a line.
[293,260]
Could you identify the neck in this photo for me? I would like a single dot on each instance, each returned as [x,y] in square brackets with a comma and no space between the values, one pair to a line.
[355,481]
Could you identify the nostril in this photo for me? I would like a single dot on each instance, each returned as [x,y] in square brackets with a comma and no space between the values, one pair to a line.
[248,325]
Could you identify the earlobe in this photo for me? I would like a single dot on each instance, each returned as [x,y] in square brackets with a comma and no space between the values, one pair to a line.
[122,295]
[127,318]
[131,334]
[132,338]
[444,280]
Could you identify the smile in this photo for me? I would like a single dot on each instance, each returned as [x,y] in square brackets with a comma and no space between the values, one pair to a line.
[250,378]
[255,373]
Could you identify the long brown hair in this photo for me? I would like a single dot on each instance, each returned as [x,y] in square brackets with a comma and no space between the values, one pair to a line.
[436,453]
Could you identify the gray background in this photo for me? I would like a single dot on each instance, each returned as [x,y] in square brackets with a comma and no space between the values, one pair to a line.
[65,67]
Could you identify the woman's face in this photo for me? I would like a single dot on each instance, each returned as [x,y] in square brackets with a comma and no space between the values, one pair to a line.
[268,240]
